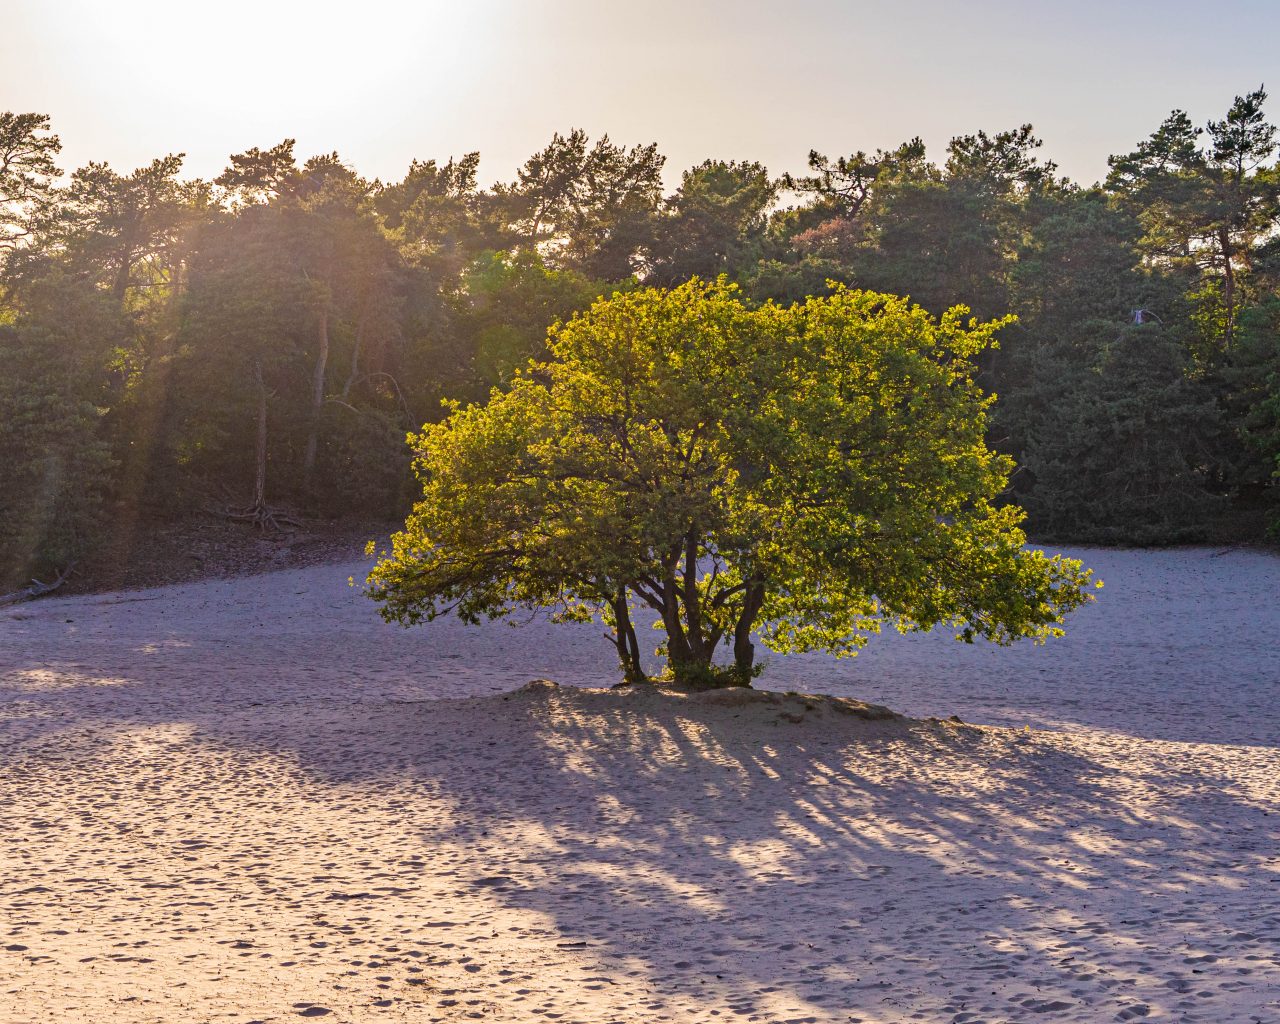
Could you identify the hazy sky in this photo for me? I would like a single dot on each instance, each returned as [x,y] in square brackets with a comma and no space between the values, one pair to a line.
[128,80]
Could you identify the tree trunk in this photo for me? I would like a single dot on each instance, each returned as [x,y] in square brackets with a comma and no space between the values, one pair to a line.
[625,639]
[692,606]
[744,651]
[1228,288]
[317,393]
[260,479]
[120,286]
[260,513]
[355,360]
[633,650]
[677,642]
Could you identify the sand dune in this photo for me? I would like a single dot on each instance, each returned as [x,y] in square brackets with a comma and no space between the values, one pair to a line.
[249,800]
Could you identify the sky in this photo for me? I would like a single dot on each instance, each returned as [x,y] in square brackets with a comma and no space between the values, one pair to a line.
[383,83]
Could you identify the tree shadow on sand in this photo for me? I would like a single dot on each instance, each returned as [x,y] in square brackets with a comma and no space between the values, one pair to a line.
[748,855]
[775,859]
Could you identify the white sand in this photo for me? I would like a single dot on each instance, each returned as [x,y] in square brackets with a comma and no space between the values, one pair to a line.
[245,800]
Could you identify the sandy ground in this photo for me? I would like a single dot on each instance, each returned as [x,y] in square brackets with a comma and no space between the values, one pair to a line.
[250,800]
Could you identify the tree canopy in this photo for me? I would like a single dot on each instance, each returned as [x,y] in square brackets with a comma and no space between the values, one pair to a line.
[806,474]
[257,345]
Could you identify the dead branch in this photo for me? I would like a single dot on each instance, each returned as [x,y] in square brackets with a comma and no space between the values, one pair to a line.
[37,588]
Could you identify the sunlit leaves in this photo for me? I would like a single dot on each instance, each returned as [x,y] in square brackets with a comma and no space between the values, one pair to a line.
[692,451]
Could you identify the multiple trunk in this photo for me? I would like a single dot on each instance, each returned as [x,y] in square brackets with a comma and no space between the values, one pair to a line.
[695,620]
[624,636]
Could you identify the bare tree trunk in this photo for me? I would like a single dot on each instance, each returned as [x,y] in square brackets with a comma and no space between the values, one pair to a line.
[317,393]
[260,513]
[355,360]
[36,589]
[1228,288]
[260,480]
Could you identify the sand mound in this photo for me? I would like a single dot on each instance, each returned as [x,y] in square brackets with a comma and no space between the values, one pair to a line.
[766,706]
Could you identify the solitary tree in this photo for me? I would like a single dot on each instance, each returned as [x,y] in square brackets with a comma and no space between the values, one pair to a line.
[802,475]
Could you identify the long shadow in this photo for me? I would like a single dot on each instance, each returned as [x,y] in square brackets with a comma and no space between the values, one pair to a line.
[916,867]
[781,862]
[888,845]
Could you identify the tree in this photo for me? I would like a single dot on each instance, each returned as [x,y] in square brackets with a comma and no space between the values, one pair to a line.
[56,464]
[246,318]
[317,223]
[1206,206]
[435,214]
[124,228]
[260,175]
[586,207]
[27,171]
[1003,164]
[714,224]
[1115,436]
[1122,446]
[804,474]
[504,307]
[899,223]
[845,185]
[1254,398]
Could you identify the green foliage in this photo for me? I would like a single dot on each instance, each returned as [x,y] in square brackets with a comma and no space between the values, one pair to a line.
[794,281]
[436,214]
[1206,207]
[1254,377]
[716,223]
[1122,449]
[364,463]
[1116,434]
[505,305]
[27,170]
[56,462]
[844,186]
[586,207]
[123,229]
[280,328]
[943,236]
[809,472]
[243,334]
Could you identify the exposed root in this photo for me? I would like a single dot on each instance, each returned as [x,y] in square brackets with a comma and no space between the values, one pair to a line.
[264,517]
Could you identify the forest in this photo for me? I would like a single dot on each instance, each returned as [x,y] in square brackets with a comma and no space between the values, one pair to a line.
[258,346]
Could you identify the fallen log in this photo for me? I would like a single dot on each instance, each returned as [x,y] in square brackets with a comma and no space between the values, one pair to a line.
[36,589]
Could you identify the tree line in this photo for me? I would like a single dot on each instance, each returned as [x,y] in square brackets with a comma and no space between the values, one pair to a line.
[260,344]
